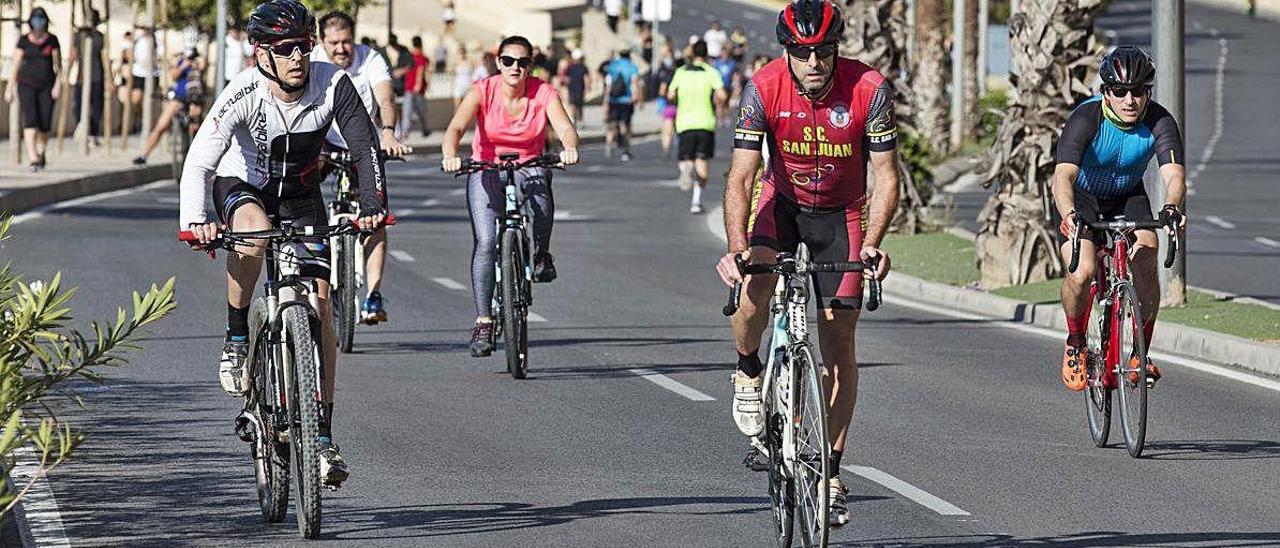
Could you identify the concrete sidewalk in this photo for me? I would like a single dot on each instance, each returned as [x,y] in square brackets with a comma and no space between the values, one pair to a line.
[72,175]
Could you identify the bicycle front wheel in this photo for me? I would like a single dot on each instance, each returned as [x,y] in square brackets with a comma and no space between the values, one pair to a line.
[271,463]
[781,487]
[1097,397]
[306,418]
[515,336]
[1131,372]
[812,449]
[344,295]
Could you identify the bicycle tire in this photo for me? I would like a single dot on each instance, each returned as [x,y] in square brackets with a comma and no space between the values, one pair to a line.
[515,335]
[1097,397]
[271,469]
[813,449]
[1133,395]
[781,488]
[306,420]
[344,295]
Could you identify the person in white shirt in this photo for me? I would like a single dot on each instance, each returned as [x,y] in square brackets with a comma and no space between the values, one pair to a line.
[236,53]
[372,79]
[144,49]
[715,39]
[613,11]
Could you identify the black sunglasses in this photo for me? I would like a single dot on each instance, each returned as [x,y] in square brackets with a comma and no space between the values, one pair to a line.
[508,60]
[286,49]
[1121,92]
[802,53]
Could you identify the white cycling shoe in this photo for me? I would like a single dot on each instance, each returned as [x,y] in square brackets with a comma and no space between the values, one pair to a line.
[748,413]
[232,372]
[838,502]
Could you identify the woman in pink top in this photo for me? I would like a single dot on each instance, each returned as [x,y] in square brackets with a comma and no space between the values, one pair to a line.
[511,110]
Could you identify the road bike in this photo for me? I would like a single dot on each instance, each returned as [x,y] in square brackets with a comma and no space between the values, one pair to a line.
[347,276]
[186,121]
[282,406]
[794,447]
[514,267]
[1116,350]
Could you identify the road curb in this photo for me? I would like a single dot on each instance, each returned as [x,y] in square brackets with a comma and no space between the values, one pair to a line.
[26,199]
[1191,342]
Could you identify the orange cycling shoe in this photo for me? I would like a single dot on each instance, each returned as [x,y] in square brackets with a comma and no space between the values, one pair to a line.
[1073,362]
[1153,372]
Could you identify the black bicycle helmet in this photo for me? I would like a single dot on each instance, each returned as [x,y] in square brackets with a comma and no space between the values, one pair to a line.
[279,20]
[809,23]
[1127,66]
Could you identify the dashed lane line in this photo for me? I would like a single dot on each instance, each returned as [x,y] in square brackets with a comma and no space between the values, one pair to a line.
[916,494]
[1267,242]
[1219,222]
[533,317]
[671,384]
[402,255]
[448,283]
[430,203]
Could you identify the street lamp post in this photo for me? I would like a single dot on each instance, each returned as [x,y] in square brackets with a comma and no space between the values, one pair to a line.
[957,73]
[221,39]
[1168,27]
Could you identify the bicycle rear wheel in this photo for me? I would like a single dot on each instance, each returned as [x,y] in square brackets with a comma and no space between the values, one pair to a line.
[781,487]
[1097,397]
[271,467]
[306,418]
[344,294]
[1131,372]
[514,304]
[812,449]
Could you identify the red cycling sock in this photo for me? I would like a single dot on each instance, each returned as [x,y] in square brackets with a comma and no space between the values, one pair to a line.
[1075,329]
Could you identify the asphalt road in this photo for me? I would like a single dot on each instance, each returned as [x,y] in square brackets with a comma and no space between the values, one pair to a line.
[1233,240]
[447,450]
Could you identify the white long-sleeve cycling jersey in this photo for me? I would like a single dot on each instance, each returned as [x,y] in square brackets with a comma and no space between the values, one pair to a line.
[248,136]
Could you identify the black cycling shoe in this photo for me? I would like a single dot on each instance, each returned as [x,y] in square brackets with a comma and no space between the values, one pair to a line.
[482,340]
[544,268]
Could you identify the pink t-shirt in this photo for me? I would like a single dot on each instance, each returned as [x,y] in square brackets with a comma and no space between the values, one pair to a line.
[497,132]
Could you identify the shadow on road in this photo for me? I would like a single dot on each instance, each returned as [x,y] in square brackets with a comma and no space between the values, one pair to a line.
[1213,450]
[435,520]
[1079,540]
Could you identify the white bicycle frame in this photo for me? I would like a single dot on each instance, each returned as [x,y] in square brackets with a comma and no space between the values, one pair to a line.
[336,219]
[790,328]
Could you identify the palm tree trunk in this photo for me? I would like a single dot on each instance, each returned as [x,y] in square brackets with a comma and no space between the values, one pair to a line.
[931,70]
[971,61]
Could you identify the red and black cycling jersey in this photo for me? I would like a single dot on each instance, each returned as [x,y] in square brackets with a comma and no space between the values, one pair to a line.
[818,150]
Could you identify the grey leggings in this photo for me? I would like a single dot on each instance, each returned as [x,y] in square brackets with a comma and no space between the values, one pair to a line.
[486,202]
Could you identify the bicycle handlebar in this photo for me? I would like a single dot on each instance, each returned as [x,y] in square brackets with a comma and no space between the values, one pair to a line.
[342,158]
[470,166]
[229,240]
[1119,226]
[874,289]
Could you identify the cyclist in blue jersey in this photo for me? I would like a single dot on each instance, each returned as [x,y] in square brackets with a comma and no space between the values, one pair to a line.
[188,89]
[1101,158]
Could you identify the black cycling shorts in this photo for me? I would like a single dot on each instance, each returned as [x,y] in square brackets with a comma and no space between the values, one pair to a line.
[37,107]
[230,193]
[697,144]
[1091,209]
[832,235]
[621,112]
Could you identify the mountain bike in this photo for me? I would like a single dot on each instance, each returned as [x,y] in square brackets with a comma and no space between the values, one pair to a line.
[794,447]
[1116,350]
[515,266]
[347,275]
[282,407]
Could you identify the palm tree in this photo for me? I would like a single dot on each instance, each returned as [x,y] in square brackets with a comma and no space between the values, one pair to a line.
[930,74]
[877,34]
[1055,57]
[971,61]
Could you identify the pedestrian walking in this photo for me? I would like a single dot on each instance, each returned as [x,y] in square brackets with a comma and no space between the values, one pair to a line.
[96,75]
[715,37]
[463,71]
[612,13]
[400,59]
[34,82]
[727,67]
[577,82]
[623,90]
[415,91]
[662,81]
[697,89]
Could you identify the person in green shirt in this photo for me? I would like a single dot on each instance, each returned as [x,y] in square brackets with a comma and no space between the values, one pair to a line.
[696,89]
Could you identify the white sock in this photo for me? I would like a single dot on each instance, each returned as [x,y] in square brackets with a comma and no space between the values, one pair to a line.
[697,194]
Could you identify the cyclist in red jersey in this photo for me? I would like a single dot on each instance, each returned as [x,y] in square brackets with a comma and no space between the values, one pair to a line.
[821,117]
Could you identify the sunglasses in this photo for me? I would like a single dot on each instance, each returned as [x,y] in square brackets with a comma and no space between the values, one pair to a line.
[508,61]
[287,49]
[1120,92]
[802,53]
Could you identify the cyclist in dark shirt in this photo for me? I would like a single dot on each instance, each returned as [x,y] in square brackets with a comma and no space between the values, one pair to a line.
[35,77]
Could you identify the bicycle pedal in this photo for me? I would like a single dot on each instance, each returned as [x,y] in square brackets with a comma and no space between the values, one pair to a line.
[244,428]
[756,460]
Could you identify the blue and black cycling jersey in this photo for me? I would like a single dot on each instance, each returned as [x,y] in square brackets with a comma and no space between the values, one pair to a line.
[1113,156]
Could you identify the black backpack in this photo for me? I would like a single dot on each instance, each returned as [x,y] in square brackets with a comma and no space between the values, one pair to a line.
[619,87]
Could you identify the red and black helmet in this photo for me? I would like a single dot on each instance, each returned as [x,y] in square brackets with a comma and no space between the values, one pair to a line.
[1127,66]
[809,23]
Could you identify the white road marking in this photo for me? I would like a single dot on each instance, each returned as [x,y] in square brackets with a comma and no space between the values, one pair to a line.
[1220,79]
[458,191]
[449,283]
[1267,242]
[672,385]
[569,216]
[401,255]
[430,203]
[752,16]
[406,212]
[1219,221]
[39,506]
[168,199]
[41,211]
[595,168]
[916,494]
[533,317]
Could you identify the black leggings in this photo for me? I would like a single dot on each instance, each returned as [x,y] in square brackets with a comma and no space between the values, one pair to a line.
[37,107]
[486,202]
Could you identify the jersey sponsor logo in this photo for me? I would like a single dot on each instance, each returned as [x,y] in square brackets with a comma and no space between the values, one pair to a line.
[240,94]
[815,142]
[801,115]
[804,178]
[746,113]
[839,117]
[784,114]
